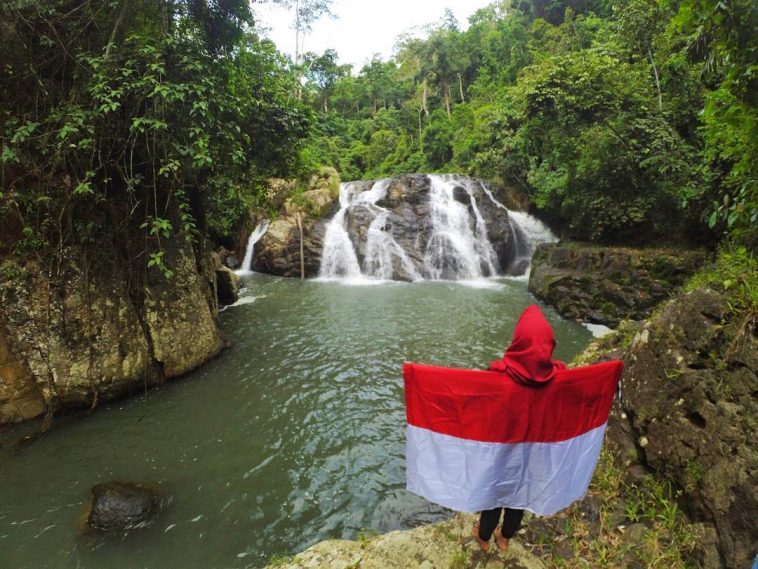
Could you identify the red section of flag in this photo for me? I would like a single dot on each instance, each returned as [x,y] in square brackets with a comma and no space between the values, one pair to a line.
[491,407]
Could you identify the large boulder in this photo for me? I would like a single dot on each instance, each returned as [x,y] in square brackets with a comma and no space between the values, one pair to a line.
[227,281]
[121,506]
[690,413]
[605,285]
[82,332]
[278,251]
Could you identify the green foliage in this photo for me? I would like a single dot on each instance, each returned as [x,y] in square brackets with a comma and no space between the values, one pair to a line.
[723,40]
[735,271]
[624,121]
[169,131]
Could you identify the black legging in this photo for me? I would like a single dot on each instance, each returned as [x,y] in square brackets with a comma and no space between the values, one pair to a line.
[489,519]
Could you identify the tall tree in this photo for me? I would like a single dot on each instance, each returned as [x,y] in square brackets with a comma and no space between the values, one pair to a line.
[324,71]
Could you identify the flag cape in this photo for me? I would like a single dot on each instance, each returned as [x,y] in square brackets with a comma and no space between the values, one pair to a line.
[477,440]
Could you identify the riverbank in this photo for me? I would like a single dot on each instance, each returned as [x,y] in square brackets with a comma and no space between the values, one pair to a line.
[83,327]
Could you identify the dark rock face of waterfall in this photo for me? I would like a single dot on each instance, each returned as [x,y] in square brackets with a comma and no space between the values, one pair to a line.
[418,226]
[410,221]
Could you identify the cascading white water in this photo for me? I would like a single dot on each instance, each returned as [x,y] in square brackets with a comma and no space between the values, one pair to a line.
[339,258]
[258,232]
[455,247]
[526,231]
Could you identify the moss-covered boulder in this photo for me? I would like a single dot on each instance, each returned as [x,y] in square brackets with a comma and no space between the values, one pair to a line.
[86,329]
[689,412]
[605,285]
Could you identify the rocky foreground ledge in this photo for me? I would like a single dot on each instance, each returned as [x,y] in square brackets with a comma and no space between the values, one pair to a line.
[447,544]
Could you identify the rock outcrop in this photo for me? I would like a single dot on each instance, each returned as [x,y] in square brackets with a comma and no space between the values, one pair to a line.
[77,333]
[444,544]
[278,250]
[227,281]
[690,390]
[605,285]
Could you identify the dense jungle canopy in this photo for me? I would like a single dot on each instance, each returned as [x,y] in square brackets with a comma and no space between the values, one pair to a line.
[623,121]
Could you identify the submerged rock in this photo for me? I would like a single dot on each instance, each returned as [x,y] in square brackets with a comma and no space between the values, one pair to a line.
[120,506]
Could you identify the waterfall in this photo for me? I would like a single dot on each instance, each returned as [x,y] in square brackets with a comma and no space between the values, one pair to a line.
[440,236]
[338,258]
[258,232]
[526,233]
[455,249]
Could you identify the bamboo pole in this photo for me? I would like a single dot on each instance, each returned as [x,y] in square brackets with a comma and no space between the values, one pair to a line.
[302,258]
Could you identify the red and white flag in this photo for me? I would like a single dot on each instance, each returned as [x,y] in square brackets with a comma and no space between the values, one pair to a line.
[477,440]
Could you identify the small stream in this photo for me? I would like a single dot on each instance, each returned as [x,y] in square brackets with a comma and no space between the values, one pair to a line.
[292,436]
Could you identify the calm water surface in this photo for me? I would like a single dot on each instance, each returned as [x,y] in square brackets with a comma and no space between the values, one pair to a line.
[294,435]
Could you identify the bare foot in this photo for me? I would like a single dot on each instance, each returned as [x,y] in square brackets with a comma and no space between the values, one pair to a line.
[502,543]
[485,545]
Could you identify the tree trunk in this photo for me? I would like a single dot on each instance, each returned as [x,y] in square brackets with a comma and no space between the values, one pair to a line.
[446,91]
[424,95]
[420,140]
[117,25]
[297,32]
[460,87]
[657,80]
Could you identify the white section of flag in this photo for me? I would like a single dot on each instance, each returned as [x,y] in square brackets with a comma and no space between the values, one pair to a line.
[470,476]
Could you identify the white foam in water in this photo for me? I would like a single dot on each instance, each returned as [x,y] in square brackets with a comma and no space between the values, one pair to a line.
[242,301]
[598,330]
[360,280]
[481,284]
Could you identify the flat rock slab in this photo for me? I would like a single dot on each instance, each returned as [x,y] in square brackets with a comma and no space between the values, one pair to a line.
[436,546]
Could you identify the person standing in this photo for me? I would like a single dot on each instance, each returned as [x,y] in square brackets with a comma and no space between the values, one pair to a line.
[528,360]
[524,435]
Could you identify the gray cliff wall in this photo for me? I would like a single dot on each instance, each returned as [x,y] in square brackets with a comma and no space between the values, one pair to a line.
[81,331]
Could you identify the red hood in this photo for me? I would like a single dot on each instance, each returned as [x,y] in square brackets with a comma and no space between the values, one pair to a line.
[528,360]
